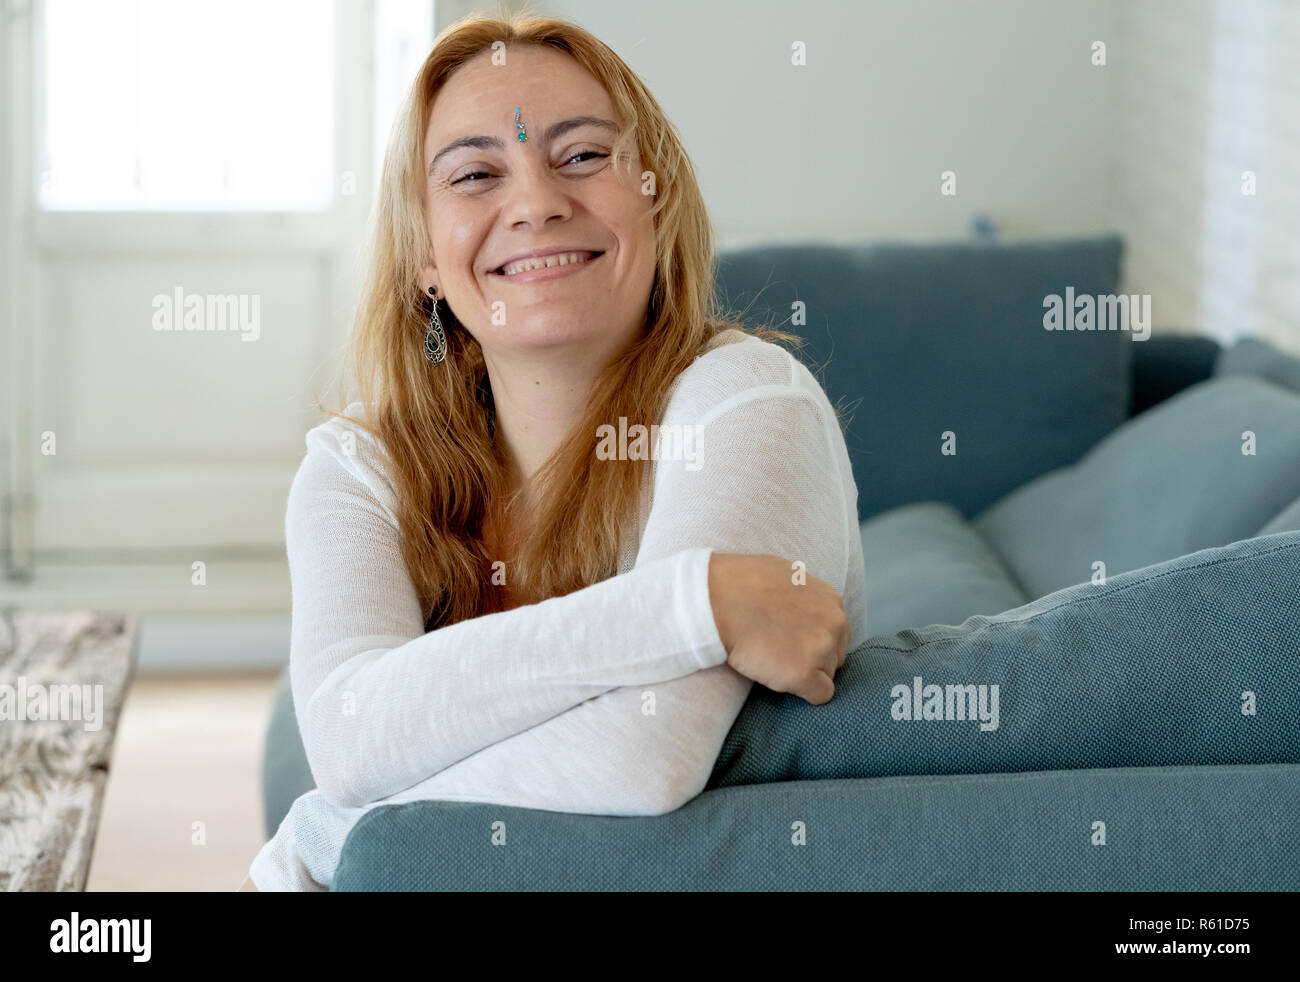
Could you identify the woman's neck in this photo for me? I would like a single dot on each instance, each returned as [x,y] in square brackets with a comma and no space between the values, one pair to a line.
[538,399]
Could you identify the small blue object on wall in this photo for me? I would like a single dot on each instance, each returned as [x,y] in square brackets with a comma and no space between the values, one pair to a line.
[983,228]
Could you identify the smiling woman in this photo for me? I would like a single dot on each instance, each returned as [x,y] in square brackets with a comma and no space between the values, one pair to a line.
[488,604]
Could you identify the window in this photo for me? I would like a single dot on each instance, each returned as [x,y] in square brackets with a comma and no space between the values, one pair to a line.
[203,105]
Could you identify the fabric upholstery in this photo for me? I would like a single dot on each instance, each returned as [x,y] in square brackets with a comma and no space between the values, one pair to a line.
[1287,520]
[917,340]
[1148,670]
[925,564]
[1123,694]
[1255,356]
[1175,828]
[1165,364]
[1166,483]
[286,775]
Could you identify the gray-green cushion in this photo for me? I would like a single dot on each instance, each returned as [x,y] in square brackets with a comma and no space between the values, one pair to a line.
[1147,671]
[1165,364]
[1255,356]
[1175,828]
[927,565]
[913,340]
[1168,482]
[1287,520]
[286,775]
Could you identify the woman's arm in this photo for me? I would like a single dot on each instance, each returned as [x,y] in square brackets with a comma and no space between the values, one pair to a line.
[768,484]
[382,704]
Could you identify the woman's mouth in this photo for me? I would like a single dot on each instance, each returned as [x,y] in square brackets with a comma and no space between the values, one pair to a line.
[546,267]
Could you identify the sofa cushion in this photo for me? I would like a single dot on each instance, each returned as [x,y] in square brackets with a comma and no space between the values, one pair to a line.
[927,565]
[286,775]
[1168,482]
[1255,356]
[1165,364]
[1287,520]
[916,340]
[1177,828]
[1151,669]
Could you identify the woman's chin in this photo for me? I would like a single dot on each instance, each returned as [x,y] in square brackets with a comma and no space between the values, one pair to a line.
[540,334]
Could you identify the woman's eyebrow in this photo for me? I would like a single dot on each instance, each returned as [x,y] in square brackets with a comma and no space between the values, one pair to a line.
[495,143]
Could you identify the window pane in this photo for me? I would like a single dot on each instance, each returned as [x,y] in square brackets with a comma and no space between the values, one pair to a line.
[403,39]
[188,104]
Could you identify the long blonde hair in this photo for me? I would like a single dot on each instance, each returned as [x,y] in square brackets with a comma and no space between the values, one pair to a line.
[435,422]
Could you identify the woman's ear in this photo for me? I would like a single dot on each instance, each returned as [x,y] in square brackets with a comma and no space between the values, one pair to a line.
[429,280]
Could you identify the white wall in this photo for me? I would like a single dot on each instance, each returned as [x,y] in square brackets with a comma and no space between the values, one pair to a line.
[1210,89]
[894,93]
[1003,92]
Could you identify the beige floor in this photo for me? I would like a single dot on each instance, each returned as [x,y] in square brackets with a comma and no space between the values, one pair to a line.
[188,750]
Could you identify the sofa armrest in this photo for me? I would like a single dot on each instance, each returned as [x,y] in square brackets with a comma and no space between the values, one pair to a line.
[286,776]
[1165,364]
[1166,828]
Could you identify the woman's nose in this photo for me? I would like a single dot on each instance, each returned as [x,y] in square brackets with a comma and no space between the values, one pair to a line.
[534,195]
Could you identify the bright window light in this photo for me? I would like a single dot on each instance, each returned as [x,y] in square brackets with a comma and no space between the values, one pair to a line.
[403,39]
[207,105]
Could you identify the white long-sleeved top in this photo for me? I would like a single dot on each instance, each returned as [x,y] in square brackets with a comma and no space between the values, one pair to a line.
[612,700]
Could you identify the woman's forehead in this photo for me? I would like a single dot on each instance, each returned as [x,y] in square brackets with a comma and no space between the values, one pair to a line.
[544,84]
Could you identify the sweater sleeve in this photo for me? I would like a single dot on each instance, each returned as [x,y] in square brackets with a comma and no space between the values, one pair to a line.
[381,704]
[769,482]
[615,698]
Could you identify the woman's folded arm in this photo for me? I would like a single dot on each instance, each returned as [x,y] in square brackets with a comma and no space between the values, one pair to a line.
[766,484]
[384,707]
[382,704]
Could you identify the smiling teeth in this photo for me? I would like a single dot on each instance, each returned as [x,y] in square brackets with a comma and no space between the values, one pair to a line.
[560,259]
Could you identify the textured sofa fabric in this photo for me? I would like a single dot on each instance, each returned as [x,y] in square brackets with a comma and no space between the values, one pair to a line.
[927,565]
[286,775]
[1171,481]
[1252,356]
[1285,521]
[1177,828]
[1147,671]
[917,340]
[1165,364]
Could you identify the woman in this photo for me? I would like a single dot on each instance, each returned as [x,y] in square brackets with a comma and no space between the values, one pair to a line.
[597,600]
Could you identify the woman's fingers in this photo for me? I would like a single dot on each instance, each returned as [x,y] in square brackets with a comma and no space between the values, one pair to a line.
[817,688]
[792,637]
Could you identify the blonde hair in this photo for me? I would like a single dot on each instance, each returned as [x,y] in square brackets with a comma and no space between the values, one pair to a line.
[435,422]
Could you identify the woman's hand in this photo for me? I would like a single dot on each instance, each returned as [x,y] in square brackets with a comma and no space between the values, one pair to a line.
[791,637]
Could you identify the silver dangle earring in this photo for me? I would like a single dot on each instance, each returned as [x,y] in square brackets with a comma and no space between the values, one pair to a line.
[435,341]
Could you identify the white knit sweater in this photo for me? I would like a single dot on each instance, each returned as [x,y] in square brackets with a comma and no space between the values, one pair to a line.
[612,700]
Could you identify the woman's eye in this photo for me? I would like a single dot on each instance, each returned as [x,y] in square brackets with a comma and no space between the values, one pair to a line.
[484,174]
[586,153]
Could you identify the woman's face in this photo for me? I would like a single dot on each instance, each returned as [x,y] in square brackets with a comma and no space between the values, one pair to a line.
[499,198]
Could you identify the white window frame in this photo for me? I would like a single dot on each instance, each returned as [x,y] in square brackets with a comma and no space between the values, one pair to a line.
[224,231]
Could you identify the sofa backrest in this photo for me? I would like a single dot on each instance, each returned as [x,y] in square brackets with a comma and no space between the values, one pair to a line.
[938,357]
[1169,363]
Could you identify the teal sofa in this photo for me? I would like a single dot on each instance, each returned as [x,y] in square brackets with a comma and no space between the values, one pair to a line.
[1103,530]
